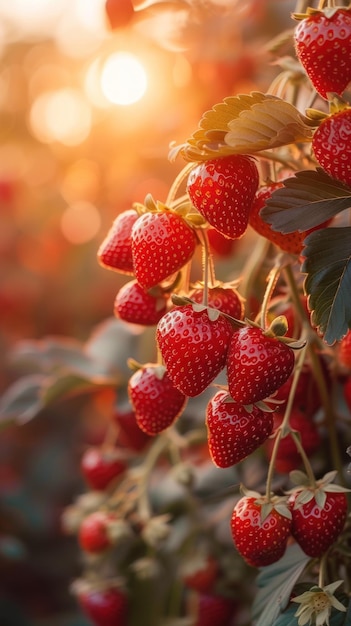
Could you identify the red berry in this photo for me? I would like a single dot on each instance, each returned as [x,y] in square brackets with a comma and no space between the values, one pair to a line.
[129,433]
[93,533]
[223,190]
[233,432]
[260,537]
[99,467]
[119,13]
[105,607]
[220,246]
[344,352]
[193,347]
[115,252]
[323,47]
[156,402]
[331,145]
[135,305]
[222,297]
[257,365]
[214,610]
[162,243]
[316,526]
[200,573]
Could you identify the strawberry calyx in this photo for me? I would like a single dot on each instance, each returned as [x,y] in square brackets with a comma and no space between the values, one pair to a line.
[268,502]
[307,491]
[159,370]
[213,314]
[182,208]
[311,12]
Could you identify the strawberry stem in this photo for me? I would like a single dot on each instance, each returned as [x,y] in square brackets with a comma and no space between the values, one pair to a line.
[177,183]
[271,284]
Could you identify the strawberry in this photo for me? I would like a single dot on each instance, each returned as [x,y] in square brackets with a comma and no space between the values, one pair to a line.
[306,398]
[331,145]
[288,457]
[162,243]
[291,242]
[156,402]
[135,305]
[223,190]
[200,572]
[257,365]
[318,515]
[100,467]
[214,609]
[193,346]
[344,351]
[129,434]
[115,252]
[220,246]
[93,535]
[222,297]
[323,47]
[261,528]
[119,13]
[105,605]
[233,432]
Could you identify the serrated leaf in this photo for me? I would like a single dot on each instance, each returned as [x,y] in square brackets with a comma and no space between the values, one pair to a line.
[328,282]
[307,199]
[245,124]
[275,583]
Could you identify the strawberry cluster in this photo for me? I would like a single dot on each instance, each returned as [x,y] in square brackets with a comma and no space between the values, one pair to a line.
[258,354]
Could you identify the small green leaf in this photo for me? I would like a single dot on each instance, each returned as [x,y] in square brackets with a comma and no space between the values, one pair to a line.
[306,200]
[328,282]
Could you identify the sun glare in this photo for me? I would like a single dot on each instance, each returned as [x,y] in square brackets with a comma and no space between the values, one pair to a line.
[123,79]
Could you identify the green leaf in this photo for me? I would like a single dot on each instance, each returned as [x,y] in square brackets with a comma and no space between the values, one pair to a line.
[275,583]
[328,282]
[22,400]
[307,199]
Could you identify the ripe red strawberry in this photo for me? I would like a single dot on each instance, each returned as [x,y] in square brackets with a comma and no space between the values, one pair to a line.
[220,246]
[223,190]
[200,572]
[306,398]
[257,365]
[93,535]
[162,243]
[344,352]
[105,605]
[156,402]
[323,47]
[193,346]
[129,434]
[222,297]
[260,530]
[119,13]
[233,432]
[100,467]
[135,305]
[288,457]
[215,609]
[115,252]
[291,242]
[331,145]
[318,515]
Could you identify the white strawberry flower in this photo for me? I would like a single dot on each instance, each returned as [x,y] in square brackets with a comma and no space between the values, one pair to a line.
[316,605]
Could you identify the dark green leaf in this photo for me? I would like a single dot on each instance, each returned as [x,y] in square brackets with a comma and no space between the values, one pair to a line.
[22,400]
[306,200]
[328,282]
[275,583]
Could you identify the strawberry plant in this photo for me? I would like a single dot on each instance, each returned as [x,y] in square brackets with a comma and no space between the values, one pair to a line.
[231,433]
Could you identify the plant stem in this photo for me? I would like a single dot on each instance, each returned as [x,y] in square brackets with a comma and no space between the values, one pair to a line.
[271,283]
[177,183]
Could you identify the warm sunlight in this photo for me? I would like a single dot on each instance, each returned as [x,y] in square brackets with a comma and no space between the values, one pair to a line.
[123,79]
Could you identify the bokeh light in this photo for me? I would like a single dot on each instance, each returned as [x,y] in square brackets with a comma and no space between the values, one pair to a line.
[123,78]
[80,222]
[62,115]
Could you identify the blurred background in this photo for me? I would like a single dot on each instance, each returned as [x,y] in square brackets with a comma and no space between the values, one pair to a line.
[88,108]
